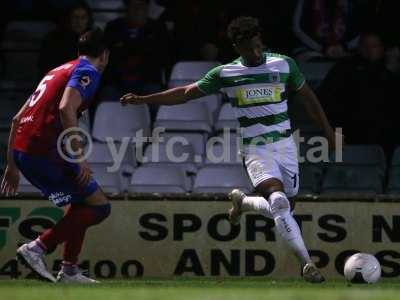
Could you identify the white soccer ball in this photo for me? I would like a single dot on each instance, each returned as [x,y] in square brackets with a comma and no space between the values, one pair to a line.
[362,268]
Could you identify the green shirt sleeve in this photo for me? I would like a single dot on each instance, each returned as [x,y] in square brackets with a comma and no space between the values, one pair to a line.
[296,78]
[211,83]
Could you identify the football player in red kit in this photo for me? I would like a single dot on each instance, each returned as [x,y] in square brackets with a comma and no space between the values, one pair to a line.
[51,111]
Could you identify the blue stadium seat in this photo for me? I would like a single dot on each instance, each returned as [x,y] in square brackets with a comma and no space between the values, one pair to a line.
[25,35]
[310,178]
[192,117]
[371,156]
[351,179]
[106,4]
[213,103]
[223,154]
[159,179]
[186,72]
[11,102]
[226,118]
[118,122]
[110,182]
[26,188]
[102,155]
[197,140]
[221,179]
[160,155]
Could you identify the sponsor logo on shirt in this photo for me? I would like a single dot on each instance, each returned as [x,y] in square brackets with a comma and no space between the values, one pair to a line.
[260,94]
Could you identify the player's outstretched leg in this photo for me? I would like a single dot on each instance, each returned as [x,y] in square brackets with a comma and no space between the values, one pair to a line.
[277,208]
[289,230]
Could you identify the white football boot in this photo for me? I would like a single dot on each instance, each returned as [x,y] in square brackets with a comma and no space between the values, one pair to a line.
[236,196]
[34,261]
[62,277]
[312,274]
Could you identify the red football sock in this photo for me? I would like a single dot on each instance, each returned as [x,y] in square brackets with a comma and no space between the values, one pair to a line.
[71,229]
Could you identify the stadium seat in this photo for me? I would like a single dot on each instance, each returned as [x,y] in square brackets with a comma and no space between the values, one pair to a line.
[10,104]
[393,186]
[221,179]
[184,117]
[223,154]
[363,155]
[187,72]
[106,4]
[110,182]
[101,18]
[226,118]
[213,103]
[101,155]
[351,179]
[21,65]
[25,35]
[396,158]
[118,122]
[159,179]
[3,157]
[315,72]
[301,120]
[313,154]
[25,187]
[197,140]
[310,178]
[161,156]
[24,87]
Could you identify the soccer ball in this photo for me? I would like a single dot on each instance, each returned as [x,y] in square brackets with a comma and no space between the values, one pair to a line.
[362,268]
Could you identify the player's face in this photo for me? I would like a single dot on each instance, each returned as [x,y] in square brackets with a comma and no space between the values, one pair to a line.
[251,51]
[79,20]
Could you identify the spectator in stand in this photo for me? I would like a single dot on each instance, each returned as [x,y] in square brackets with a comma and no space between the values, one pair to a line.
[326,28]
[139,50]
[383,15]
[360,95]
[61,45]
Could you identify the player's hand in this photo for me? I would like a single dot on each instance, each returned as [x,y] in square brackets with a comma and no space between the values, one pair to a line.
[130,99]
[10,182]
[85,174]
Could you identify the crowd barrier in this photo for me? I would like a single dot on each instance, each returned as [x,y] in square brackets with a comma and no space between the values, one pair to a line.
[157,236]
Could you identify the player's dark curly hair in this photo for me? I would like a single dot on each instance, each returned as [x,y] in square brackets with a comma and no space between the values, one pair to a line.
[92,43]
[243,28]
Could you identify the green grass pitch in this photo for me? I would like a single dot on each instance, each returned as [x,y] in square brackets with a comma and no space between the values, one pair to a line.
[204,289]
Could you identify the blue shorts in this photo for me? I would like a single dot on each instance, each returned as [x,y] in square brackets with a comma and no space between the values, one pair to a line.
[55,177]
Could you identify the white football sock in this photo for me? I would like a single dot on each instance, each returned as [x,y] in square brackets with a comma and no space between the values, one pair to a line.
[257,204]
[287,226]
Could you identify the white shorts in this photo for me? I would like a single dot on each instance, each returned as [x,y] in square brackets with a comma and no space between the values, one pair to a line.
[276,160]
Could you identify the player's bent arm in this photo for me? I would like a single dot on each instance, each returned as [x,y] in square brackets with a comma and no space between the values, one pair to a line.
[10,181]
[316,111]
[68,108]
[172,96]
[13,130]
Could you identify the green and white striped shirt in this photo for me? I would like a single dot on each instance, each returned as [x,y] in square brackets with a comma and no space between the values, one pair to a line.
[258,94]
